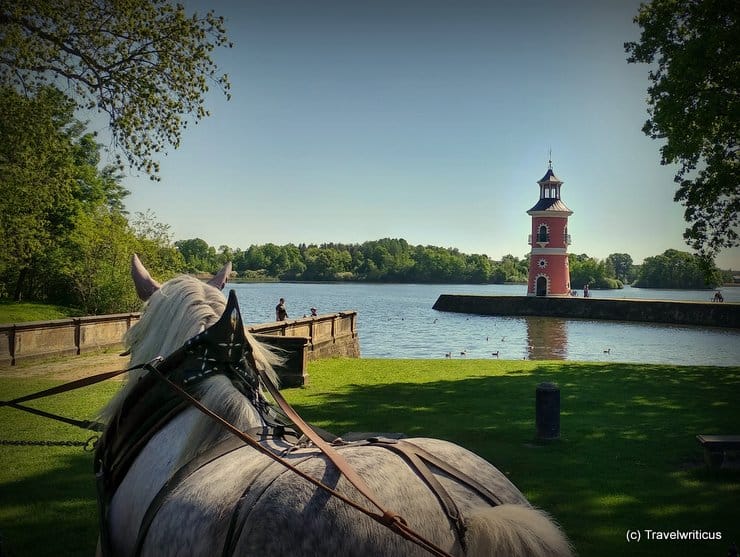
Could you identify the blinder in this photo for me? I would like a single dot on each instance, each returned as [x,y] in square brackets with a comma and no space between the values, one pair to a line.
[221,348]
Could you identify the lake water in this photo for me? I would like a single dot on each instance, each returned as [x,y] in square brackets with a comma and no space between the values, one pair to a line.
[397,321]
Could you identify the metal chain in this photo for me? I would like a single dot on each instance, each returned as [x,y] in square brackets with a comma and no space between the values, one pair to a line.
[88,446]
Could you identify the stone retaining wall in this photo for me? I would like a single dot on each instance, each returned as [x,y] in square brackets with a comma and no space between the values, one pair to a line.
[62,336]
[310,338]
[300,340]
[706,314]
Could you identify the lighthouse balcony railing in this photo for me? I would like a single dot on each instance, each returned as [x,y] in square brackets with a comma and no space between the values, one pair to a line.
[538,239]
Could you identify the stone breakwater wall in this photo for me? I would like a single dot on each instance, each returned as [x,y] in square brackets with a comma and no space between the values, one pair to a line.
[299,340]
[705,314]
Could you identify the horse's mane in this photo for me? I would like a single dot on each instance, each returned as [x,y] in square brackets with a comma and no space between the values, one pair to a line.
[179,310]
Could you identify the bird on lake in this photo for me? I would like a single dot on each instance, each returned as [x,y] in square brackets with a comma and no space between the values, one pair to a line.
[448,354]
[495,353]
[608,351]
[464,353]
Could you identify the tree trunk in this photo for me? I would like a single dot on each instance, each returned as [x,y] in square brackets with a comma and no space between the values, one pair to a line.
[18,296]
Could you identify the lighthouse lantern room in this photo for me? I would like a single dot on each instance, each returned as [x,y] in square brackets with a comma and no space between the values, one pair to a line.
[549,274]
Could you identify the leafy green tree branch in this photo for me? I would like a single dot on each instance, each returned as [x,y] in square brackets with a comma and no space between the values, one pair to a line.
[145,64]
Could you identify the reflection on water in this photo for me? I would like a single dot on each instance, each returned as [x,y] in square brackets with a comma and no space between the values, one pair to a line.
[397,321]
[547,339]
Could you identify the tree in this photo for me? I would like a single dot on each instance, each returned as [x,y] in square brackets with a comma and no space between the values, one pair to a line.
[64,228]
[677,269]
[478,268]
[91,267]
[198,255]
[510,269]
[145,64]
[693,49]
[589,270]
[153,244]
[48,170]
[325,263]
[621,266]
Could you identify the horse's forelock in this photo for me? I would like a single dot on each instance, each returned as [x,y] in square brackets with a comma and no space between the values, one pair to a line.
[179,310]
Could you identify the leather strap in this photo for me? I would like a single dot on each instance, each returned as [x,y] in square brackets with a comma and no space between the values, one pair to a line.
[70,386]
[405,447]
[63,388]
[389,519]
[221,449]
[337,459]
[418,459]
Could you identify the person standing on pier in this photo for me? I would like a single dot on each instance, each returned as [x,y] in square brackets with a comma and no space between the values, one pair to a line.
[281,314]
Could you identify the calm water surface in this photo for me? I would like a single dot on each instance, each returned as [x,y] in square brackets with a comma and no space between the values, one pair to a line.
[397,321]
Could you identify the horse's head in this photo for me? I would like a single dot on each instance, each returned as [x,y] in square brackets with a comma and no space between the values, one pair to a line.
[174,313]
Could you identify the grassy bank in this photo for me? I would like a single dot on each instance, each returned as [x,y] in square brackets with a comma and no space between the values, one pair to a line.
[627,458]
[21,312]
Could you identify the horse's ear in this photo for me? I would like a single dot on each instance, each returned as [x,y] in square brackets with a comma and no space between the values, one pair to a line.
[145,284]
[222,277]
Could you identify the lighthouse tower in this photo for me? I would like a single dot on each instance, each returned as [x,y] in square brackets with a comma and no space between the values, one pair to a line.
[549,274]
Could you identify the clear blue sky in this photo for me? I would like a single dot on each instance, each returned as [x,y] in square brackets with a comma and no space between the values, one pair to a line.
[425,120]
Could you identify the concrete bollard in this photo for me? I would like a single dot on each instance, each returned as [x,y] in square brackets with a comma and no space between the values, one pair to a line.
[547,407]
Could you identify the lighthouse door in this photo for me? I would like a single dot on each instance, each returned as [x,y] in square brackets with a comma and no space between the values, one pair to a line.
[541,286]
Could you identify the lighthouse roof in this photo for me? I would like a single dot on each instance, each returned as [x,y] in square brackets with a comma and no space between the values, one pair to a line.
[550,177]
[552,204]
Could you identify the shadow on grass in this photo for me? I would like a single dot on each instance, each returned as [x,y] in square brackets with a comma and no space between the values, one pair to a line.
[627,458]
[53,512]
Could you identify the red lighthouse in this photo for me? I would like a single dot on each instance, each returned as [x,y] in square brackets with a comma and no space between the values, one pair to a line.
[549,274]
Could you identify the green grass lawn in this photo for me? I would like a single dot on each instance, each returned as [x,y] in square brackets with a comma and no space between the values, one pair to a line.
[21,312]
[627,459]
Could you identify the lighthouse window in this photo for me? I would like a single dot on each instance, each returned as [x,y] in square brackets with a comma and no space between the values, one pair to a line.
[542,234]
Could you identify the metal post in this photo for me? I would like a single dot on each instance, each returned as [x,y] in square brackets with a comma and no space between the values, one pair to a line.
[547,406]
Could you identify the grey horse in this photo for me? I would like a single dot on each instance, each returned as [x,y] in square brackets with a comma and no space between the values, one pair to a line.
[243,502]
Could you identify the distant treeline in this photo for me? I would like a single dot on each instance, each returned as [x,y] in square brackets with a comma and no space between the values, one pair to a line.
[386,260]
[395,260]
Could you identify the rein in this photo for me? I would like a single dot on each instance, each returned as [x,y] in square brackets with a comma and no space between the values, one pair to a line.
[63,388]
[387,518]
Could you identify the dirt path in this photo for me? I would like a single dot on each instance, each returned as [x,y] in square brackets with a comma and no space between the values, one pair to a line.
[67,368]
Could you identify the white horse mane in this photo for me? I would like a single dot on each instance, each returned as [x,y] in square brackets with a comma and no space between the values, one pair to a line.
[179,310]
